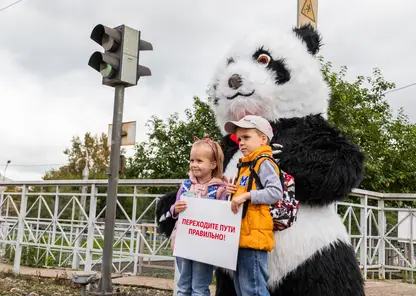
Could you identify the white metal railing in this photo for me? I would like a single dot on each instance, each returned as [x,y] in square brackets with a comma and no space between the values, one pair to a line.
[381,246]
[60,223]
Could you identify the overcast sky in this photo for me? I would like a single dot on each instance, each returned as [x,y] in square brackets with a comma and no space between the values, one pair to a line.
[48,93]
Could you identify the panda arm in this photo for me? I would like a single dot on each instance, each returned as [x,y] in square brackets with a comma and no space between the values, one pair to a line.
[165,224]
[325,164]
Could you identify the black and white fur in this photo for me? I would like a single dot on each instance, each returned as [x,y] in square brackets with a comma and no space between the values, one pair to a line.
[275,75]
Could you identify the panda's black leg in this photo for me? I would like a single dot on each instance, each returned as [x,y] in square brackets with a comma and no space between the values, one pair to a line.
[332,271]
[224,283]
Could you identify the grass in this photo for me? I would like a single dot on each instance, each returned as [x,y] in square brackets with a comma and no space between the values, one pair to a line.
[18,285]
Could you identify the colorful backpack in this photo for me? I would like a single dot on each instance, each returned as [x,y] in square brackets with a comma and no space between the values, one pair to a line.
[284,212]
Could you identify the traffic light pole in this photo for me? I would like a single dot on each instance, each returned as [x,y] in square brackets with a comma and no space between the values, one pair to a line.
[120,68]
[105,286]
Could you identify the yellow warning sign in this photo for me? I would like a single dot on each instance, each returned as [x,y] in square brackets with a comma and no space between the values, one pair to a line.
[307,10]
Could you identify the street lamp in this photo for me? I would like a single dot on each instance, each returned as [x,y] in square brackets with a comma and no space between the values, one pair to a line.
[4,173]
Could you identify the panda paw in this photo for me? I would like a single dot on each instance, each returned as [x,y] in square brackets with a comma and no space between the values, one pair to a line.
[277,151]
[164,221]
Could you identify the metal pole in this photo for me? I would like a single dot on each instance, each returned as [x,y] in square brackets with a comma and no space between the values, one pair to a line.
[412,250]
[3,189]
[20,231]
[105,286]
[84,290]
[363,225]
[84,191]
[382,244]
[297,14]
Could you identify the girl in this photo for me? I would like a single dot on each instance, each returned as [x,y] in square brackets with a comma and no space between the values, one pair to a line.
[205,179]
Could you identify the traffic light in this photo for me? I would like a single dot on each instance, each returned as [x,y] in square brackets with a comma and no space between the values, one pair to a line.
[119,63]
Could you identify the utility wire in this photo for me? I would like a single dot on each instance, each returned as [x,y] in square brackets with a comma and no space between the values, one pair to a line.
[400,88]
[10,5]
[32,165]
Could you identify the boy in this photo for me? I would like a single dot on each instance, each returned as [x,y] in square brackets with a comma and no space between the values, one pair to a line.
[254,134]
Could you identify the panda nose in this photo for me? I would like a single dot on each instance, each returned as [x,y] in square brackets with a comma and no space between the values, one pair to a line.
[235,81]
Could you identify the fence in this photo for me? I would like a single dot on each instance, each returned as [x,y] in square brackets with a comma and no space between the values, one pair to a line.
[61,224]
[383,236]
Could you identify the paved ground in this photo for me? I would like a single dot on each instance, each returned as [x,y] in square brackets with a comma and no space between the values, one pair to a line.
[373,288]
[389,288]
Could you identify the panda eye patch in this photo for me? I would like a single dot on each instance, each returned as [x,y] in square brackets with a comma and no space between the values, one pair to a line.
[264,59]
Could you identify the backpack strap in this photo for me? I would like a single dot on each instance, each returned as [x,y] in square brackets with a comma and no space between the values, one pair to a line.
[255,176]
[254,173]
[186,186]
[212,191]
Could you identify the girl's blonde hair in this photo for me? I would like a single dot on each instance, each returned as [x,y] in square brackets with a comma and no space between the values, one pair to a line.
[216,154]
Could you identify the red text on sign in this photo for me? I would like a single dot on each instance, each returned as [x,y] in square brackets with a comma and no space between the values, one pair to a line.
[208,225]
[207,234]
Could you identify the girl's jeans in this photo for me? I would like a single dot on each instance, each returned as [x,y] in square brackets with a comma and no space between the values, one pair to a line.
[195,277]
[252,273]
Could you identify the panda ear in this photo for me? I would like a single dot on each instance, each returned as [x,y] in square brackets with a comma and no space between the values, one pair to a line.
[310,36]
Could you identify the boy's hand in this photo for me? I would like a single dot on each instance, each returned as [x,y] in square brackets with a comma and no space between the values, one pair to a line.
[180,206]
[238,200]
[231,188]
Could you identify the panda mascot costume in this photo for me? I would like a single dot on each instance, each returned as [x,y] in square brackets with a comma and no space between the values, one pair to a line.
[276,75]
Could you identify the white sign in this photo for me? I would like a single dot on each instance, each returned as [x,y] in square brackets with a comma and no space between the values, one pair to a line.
[209,232]
[128,133]
[407,226]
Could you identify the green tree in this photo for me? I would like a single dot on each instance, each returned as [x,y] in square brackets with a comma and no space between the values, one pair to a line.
[99,159]
[166,153]
[98,164]
[360,110]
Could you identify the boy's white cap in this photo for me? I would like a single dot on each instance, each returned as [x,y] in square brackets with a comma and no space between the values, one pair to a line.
[250,121]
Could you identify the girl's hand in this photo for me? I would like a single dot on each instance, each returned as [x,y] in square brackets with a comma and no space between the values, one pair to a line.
[238,200]
[231,188]
[179,206]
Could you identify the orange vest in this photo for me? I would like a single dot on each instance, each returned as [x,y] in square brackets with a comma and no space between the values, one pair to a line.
[257,225]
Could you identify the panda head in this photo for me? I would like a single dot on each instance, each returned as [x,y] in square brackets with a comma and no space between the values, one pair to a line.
[271,74]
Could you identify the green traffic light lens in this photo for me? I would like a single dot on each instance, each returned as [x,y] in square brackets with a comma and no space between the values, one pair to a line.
[106,70]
